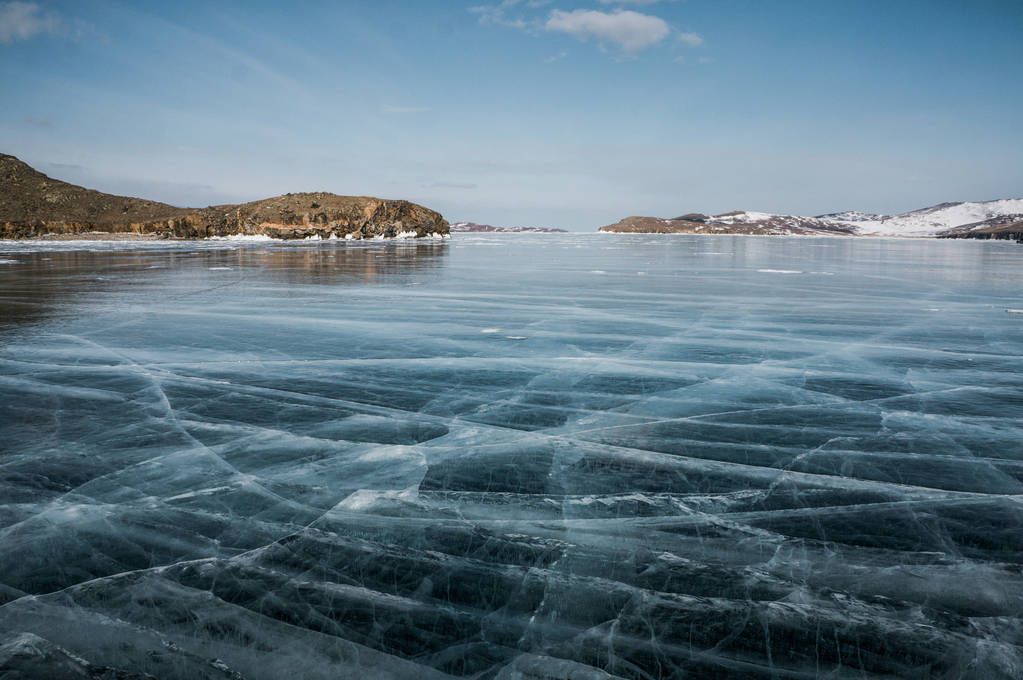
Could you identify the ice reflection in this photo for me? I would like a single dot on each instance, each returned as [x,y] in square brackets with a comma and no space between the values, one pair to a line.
[51,278]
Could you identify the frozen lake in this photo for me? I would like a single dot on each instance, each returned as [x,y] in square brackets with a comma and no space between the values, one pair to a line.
[513,456]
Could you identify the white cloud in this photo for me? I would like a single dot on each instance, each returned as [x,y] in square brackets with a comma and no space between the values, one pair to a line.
[555,57]
[387,108]
[690,39]
[624,2]
[25,20]
[632,31]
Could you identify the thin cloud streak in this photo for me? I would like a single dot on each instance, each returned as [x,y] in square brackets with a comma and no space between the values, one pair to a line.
[387,108]
[690,39]
[450,185]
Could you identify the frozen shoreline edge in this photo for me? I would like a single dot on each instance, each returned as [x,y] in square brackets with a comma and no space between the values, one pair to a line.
[114,237]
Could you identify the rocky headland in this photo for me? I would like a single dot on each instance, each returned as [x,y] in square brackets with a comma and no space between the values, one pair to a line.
[33,205]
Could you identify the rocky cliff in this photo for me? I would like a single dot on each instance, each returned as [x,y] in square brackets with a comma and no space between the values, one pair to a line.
[34,205]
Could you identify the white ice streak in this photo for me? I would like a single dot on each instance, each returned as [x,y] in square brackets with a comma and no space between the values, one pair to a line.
[241,237]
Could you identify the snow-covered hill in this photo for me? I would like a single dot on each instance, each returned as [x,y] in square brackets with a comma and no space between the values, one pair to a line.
[930,221]
[852,216]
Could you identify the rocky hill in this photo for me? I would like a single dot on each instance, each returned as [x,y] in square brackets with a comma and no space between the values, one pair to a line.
[944,219]
[473,227]
[1009,227]
[34,205]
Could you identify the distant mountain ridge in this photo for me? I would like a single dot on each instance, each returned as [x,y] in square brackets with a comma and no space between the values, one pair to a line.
[34,205]
[942,220]
[473,227]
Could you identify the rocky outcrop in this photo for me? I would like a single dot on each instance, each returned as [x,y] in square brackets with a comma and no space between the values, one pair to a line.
[1002,227]
[653,225]
[33,205]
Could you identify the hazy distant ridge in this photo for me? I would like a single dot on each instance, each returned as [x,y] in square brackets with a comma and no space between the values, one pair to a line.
[944,219]
[473,227]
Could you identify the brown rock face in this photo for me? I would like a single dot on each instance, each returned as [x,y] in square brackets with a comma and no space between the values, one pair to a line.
[654,225]
[34,205]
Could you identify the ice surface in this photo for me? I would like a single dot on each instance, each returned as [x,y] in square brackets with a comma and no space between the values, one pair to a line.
[474,458]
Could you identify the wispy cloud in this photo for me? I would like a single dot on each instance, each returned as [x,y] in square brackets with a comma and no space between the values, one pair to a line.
[690,39]
[387,108]
[37,121]
[555,57]
[629,2]
[450,185]
[631,31]
[24,21]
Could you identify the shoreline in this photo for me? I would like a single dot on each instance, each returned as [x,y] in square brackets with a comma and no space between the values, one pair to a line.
[254,238]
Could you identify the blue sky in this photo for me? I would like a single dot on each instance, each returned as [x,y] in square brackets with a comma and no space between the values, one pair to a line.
[569,114]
